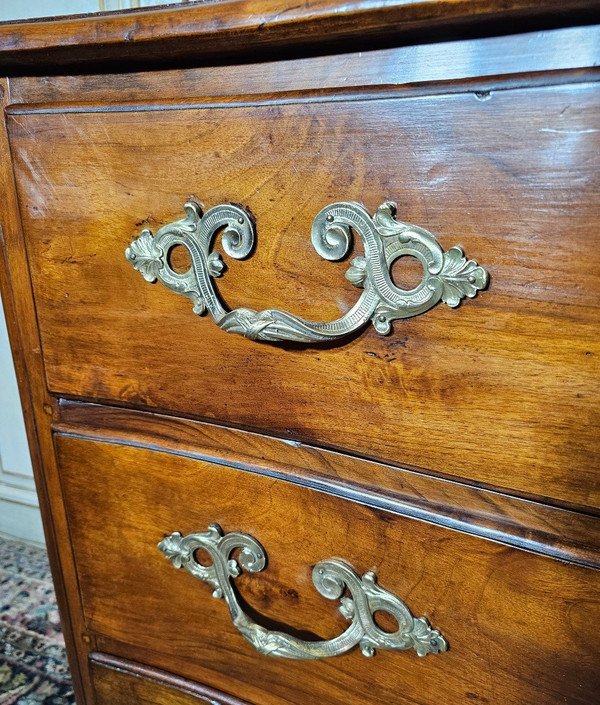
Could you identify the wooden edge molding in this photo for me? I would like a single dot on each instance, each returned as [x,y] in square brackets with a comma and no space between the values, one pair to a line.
[540,79]
[553,531]
[244,27]
[500,62]
[17,298]
[162,678]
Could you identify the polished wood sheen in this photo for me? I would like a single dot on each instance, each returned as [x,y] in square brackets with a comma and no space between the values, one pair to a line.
[458,457]
[446,390]
[418,68]
[489,601]
[561,533]
[120,682]
[19,309]
[244,27]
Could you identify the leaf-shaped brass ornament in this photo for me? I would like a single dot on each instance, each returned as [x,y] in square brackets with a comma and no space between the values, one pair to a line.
[447,276]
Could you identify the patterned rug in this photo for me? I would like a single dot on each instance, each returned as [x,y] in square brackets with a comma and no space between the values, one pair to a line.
[33,663]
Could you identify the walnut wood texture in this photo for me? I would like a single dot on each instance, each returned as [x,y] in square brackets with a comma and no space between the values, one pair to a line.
[17,299]
[492,143]
[249,27]
[120,682]
[418,68]
[531,525]
[494,604]
[502,392]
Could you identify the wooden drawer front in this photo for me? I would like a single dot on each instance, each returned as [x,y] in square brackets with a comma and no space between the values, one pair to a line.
[514,621]
[503,390]
[118,682]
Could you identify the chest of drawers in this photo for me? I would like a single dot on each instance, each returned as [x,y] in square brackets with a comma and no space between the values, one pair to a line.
[410,478]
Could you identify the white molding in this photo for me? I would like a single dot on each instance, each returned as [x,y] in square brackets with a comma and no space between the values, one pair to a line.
[19,510]
[14,477]
[19,495]
[21,521]
[23,483]
[24,468]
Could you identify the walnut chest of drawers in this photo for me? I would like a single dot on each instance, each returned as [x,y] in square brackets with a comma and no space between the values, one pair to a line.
[304,305]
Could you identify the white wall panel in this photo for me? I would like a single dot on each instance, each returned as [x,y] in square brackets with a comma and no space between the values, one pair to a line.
[19,513]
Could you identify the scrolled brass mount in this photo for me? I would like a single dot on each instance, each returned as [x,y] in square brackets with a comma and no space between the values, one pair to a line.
[447,276]
[331,578]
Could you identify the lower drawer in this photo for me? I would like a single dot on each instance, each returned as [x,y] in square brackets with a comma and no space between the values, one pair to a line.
[519,626]
[118,682]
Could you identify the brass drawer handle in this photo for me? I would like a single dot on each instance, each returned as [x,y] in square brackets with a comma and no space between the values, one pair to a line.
[447,276]
[331,578]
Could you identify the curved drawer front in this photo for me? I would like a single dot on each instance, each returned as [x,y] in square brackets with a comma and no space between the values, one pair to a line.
[119,682]
[502,390]
[491,603]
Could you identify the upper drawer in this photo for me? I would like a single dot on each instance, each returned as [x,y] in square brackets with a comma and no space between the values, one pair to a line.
[502,390]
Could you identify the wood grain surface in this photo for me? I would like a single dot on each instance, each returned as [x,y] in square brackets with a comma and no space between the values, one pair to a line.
[120,682]
[37,406]
[494,604]
[458,457]
[418,68]
[249,28]
[502,391]
[563,534]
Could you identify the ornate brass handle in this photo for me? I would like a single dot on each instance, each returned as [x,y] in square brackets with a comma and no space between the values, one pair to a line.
[447,276]
[331,578]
